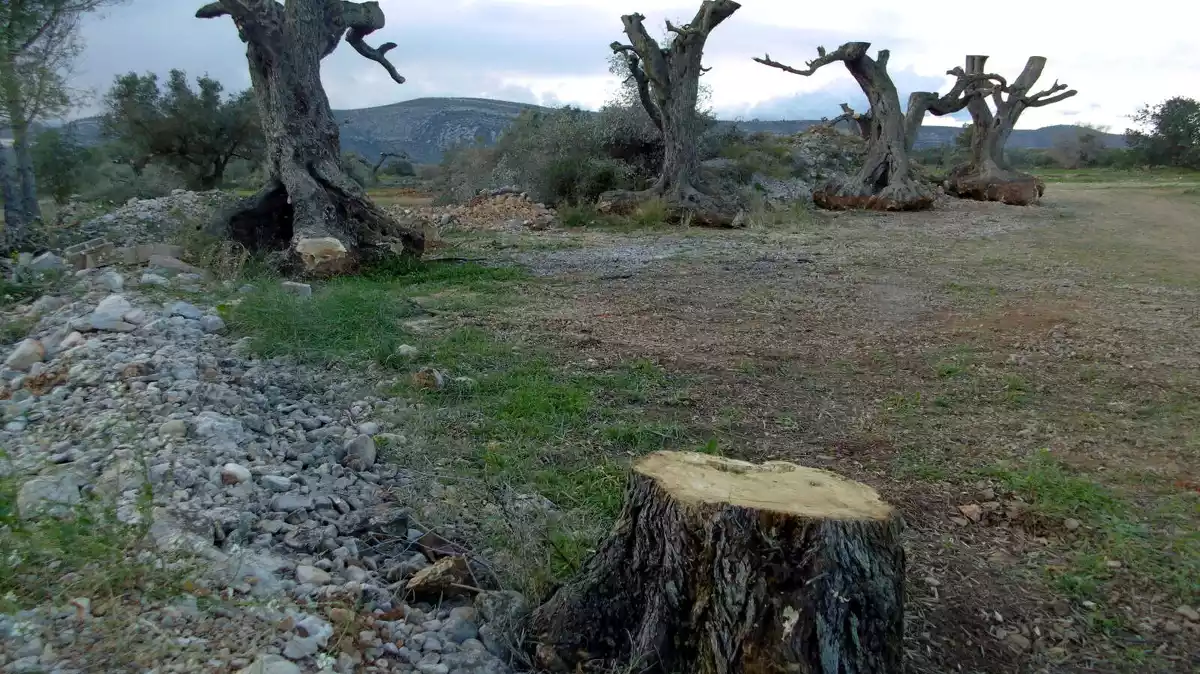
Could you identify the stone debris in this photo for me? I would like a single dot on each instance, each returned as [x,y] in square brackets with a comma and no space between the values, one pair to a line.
[504,209]
[265,471]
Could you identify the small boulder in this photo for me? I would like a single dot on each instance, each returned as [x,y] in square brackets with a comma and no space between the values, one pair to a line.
[27,353]
[271,664]
[311,575]
[110,315]
[300,289]
[151,279]
[185,309]
[212,324]
[232,473]
[175,428]
[360,453]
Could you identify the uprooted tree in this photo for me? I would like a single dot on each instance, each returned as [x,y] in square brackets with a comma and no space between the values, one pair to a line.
[668,84]
[718,565]
[884,182]
[309,205]
[988,175]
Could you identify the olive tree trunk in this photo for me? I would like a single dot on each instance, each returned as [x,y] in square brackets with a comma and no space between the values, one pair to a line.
[884,182]
[668,78]
[719,566]
[988,175]
[308,205]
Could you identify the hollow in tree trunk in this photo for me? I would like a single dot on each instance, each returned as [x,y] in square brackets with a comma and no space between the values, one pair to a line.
[668,79]
[884,182]
[988,175]
[719,566]
[309,205]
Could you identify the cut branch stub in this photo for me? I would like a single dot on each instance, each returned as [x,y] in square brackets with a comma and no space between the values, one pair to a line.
[717,565]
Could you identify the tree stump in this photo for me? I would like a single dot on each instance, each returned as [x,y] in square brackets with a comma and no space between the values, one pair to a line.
[724,566]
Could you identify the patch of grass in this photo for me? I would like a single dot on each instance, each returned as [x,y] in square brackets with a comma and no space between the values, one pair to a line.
[1158,541]
[356,319]
[16,329]
[650,213]
[87,553]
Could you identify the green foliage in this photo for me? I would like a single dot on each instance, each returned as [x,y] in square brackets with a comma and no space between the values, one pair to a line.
[61,163]
[1169,134]
[197,132]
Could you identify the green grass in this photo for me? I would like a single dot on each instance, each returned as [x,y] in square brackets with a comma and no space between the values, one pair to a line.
[88,553]
[1154,538]
[1113,175]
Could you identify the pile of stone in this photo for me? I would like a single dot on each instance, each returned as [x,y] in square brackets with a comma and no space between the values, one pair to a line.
[265,470]
[504,209]
[140,221]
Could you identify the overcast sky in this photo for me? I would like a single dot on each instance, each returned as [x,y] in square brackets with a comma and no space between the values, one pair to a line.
[555,51]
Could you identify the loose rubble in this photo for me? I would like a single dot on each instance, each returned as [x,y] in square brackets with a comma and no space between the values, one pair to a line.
[266,471]
[139,221]
[504,209]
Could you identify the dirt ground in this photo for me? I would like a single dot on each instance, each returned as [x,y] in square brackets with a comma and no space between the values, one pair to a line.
[1023,383]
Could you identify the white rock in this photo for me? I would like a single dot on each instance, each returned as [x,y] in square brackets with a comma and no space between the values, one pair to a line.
[407,351]
[136,317]
[48,262]
[311,575]
[110,315]
[149,279]
[301,289]
[360,453]
[276,483]
[232,473]
[27,353]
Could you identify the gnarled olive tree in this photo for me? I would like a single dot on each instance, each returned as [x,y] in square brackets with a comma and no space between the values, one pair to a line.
[884,182]
[309,204]
[988,176]
[668,79]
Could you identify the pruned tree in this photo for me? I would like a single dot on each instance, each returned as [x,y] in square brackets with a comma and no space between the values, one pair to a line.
[197,132]
[383,157]
[988,175]
[884,182]
[667,78]
[719,565]
[920,103]
[309,205]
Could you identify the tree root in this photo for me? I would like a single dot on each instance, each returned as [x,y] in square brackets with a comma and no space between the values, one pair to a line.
[841,194]
[686,205]
[1009,187]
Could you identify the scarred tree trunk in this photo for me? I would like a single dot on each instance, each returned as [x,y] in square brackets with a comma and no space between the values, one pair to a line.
[988,176]
[668,81]
[308,205]
[884,182]
[719,566]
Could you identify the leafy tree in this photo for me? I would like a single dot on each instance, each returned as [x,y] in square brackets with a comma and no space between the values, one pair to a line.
[1083,146]
[61,163]
[39,42]
[1169,133]
[198,132]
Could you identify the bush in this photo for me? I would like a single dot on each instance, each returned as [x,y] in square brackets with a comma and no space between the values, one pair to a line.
[116,183]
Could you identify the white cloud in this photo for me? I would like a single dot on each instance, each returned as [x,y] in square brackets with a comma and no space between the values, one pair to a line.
[555,51]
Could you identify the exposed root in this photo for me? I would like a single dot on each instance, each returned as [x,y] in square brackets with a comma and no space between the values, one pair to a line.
[686,205]
[1009,187]
[847,194]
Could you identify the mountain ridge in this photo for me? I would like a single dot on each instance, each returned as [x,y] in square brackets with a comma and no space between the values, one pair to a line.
[424,128]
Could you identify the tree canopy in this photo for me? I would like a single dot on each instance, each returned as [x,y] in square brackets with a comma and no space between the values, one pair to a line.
[1169,133]
[198,132]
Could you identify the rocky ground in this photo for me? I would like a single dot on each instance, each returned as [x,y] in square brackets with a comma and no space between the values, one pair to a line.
[261,485]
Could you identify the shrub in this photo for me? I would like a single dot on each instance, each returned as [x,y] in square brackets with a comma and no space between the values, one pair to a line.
[117,183]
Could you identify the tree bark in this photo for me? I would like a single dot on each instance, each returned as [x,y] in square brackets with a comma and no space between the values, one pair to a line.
[719,566]
[884,182]
[668,81]
[15,229]
[309,204]
[988,176]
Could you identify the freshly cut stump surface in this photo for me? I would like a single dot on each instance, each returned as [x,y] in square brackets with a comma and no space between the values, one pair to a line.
[718,565]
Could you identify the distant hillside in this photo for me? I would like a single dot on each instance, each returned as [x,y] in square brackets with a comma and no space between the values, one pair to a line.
[425,127]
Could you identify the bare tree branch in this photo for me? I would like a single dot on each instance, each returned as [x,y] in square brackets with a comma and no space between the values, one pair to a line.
[848,52]
[364,19]
[1046,97]
[643,88]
